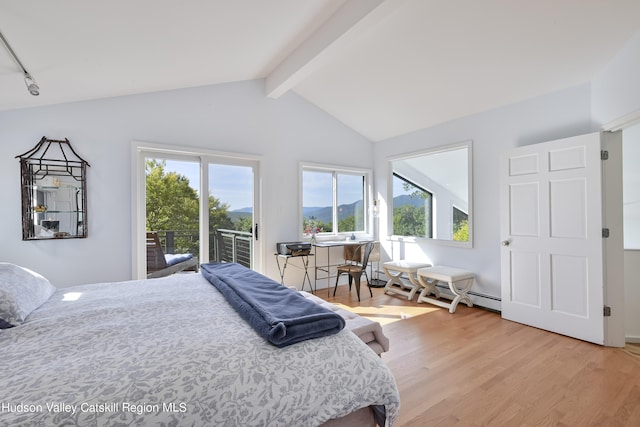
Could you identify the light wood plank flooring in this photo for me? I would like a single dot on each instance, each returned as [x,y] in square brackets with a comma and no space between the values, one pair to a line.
[472,368]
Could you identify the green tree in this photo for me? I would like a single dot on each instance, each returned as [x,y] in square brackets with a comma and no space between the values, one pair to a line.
[243,223]
[172,204]
[461,234]
[460,225]
[347,224]
[413,220]
[409,220]
[218,215]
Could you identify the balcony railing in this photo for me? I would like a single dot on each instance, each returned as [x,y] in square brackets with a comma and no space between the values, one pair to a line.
[224,245]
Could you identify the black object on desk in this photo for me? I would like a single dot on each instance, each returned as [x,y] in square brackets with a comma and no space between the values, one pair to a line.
[293,248]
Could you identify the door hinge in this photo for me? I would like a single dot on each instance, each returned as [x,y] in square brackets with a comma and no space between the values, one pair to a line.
[607,311]
[604,155]
[605,233]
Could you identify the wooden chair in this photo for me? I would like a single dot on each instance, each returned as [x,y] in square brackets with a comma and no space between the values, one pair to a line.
[356,270]
[157,264]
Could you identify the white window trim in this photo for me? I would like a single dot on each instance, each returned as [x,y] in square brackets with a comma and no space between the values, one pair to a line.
[139,151]
[369,232]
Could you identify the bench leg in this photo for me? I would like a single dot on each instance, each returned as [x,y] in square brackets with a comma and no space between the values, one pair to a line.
[395,285]
[429,287]
[394,279]
[460,289]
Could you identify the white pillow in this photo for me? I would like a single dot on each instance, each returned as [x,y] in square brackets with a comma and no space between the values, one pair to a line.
[21,292]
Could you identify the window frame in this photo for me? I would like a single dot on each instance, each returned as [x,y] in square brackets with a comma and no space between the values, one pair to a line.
[141,149]
[428,225]
[367,174]
[468,145]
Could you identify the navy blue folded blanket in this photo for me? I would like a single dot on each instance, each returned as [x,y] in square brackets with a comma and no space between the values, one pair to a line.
[277,313]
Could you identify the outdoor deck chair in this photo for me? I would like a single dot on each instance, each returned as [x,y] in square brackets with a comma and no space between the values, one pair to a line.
[160,264]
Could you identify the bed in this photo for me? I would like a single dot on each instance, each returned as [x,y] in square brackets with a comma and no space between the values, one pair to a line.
[172,351]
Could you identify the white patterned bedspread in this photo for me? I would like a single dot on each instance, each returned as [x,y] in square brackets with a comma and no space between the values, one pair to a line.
[171,351]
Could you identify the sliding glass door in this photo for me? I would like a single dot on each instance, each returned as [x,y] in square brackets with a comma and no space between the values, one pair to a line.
[200,204]
[173,203]
[232,228]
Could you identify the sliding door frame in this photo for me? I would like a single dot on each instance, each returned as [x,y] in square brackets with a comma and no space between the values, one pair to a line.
[140,150]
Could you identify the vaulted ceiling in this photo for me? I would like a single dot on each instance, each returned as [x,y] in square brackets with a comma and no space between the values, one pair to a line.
[382,67]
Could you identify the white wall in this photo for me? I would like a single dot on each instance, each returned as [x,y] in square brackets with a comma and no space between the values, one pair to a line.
[631,188]
[616,89]
[235,117]
[616,95]
[631,179]
[632,295]
[558,115]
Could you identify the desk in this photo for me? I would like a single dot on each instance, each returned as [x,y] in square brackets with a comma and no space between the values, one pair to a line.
[305,265]
[326,268]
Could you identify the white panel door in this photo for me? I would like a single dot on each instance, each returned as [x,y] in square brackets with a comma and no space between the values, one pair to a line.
[551,228]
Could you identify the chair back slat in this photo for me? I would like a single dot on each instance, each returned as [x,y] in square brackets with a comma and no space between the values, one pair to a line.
[155,255]
[367,252]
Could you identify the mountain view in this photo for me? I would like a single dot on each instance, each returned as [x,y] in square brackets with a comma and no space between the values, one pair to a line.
[324,213]
[237,214]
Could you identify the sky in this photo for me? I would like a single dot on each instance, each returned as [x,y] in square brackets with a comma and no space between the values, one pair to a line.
[233,185]
[398,188]
[318,189]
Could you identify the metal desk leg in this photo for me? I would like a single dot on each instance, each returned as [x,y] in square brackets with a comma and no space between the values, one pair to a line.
[305,262]
[282,270]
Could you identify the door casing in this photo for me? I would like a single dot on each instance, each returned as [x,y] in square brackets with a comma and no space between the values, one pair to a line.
[139,151]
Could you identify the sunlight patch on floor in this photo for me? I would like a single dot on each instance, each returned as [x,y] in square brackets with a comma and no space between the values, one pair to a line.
[386,314]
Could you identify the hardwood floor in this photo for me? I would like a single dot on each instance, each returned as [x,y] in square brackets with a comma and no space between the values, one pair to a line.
[472,368]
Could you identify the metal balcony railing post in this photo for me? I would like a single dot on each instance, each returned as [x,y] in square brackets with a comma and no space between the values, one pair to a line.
[170,242]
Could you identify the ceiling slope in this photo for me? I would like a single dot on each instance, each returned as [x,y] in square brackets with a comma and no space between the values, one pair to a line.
[382,67]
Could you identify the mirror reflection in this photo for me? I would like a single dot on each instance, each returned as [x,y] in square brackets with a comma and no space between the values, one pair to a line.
[431,194]
[54,193]
[57,212]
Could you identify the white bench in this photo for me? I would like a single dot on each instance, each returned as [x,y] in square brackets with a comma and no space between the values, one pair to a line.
[459,281]
[395,285]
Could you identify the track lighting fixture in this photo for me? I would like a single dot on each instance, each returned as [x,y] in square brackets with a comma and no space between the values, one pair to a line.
[32,86]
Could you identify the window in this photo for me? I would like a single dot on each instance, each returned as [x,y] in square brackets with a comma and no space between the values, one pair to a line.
[412,208]
[460,225]
[334,201]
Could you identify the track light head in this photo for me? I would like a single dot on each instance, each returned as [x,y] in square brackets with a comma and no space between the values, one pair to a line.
[32,86]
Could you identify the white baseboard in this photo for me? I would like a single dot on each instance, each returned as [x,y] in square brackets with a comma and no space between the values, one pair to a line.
[632,339]
[483,301]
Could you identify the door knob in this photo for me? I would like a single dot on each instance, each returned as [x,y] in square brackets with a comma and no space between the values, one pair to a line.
[505,243]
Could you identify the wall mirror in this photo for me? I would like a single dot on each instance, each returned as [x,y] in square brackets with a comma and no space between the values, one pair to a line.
[430,195]
[54,191]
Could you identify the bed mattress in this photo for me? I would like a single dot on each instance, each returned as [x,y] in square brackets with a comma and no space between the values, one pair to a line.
[172,351]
